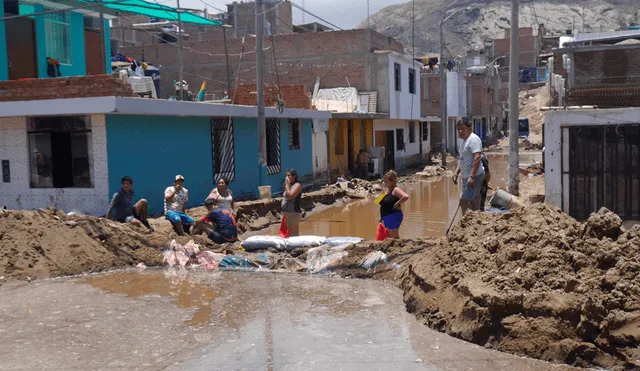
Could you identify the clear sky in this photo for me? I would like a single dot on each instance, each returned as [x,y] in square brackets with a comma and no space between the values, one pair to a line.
[343,13]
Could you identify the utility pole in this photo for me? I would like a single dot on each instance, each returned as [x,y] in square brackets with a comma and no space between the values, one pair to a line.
[103,52]
[226,53]
[443,99]
[262,122]
[368,15]
[180,57]
[514,109]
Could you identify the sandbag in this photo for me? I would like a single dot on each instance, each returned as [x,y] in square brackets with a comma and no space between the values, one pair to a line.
[304,241]
[337,241]
[256,243]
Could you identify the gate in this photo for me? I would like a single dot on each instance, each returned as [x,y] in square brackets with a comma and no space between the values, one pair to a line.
[603,170]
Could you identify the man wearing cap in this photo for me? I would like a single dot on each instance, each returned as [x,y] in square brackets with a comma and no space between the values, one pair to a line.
[470,165]
[175,206]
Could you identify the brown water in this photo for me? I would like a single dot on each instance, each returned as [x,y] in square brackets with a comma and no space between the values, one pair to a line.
[185,320]
[428,213]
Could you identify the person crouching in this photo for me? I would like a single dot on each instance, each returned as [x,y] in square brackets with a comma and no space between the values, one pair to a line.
[223,228]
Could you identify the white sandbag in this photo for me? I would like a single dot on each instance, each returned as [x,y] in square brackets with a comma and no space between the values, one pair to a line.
[256,243]
[337,241]
[304,241]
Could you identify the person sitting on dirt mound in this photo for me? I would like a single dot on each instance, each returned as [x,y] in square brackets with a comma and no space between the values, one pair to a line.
[175,206]
[224,228]
[122,208]
[470,165]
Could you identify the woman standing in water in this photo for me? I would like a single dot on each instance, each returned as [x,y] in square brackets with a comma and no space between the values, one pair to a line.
[390,210]
[291,202]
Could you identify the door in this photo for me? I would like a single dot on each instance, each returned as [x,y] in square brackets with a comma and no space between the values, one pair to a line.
[390,152]
[21,49]
[93,51]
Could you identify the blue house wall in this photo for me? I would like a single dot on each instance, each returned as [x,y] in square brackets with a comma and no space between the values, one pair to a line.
[154,149]
[77,67]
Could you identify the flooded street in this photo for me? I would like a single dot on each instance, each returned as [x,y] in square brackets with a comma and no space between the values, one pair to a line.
[431,206]
[178,320]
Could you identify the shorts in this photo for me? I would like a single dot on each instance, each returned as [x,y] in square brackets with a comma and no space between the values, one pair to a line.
[293,218]
[392,221]
[470,194]
[128,219]
[176,217]
[221,237]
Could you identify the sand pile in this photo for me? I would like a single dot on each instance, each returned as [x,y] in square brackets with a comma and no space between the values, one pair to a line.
[535,283]
[48,243]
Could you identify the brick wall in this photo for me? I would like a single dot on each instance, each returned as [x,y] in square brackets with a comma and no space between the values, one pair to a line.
[294,96]
[67,87]
[601,68]
[289,59]
[430,97]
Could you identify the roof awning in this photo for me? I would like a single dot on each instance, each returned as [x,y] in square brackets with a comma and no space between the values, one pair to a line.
[153,9]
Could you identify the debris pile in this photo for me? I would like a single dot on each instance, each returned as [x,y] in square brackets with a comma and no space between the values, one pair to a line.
[534,282]
[432,171]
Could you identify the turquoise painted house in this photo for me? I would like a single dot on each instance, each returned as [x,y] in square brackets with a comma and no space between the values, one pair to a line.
[151,141]
[73,38]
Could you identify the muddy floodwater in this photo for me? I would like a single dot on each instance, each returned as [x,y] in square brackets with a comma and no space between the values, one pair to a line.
[431,206]
[179,320]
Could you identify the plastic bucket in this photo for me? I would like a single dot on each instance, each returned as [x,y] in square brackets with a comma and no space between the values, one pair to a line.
[501,199]
[265,192]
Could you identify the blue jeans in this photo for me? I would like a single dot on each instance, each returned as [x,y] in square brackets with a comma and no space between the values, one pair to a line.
[176,217]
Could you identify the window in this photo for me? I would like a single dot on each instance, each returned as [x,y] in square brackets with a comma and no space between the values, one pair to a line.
[60,151]
[294,134]
[339,139]
[400,139]
[425,131]
[397,76]
[412,132]
[222,149]
[57,30]
[412,81]
[273,147]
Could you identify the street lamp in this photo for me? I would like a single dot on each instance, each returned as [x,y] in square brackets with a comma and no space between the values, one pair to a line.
[443,88]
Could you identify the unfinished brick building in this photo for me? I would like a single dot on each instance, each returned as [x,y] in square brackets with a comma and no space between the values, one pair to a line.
[339,58]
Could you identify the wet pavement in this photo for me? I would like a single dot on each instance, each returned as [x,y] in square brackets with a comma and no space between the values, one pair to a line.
[178,320]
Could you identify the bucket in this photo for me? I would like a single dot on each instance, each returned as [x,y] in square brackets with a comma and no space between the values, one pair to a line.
[504,200]
[265,192]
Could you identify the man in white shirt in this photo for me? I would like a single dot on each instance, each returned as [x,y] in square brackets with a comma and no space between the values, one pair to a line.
[175,206]
[470,165]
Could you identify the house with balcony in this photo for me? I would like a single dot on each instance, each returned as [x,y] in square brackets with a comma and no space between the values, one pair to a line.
[47,38]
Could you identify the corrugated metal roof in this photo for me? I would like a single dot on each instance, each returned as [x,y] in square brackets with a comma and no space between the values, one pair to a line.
[602,36]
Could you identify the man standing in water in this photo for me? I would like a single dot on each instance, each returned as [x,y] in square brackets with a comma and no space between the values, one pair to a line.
[470,165]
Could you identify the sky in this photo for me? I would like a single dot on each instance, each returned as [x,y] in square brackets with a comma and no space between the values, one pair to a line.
[343,13]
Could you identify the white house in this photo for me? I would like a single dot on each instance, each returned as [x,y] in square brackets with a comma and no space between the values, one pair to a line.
[592,160]
[456,106]
[397,78]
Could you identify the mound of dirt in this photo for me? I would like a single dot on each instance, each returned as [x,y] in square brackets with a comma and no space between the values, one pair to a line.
[534,282]
[48,243]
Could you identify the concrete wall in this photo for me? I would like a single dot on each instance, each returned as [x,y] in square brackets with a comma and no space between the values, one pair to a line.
[557,148]
[18,194]
[403,105]
[456,94]
[153,149]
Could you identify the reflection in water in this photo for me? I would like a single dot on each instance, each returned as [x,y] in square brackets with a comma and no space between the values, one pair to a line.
[431,206]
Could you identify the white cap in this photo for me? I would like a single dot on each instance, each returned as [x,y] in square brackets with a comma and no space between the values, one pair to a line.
[179,177]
